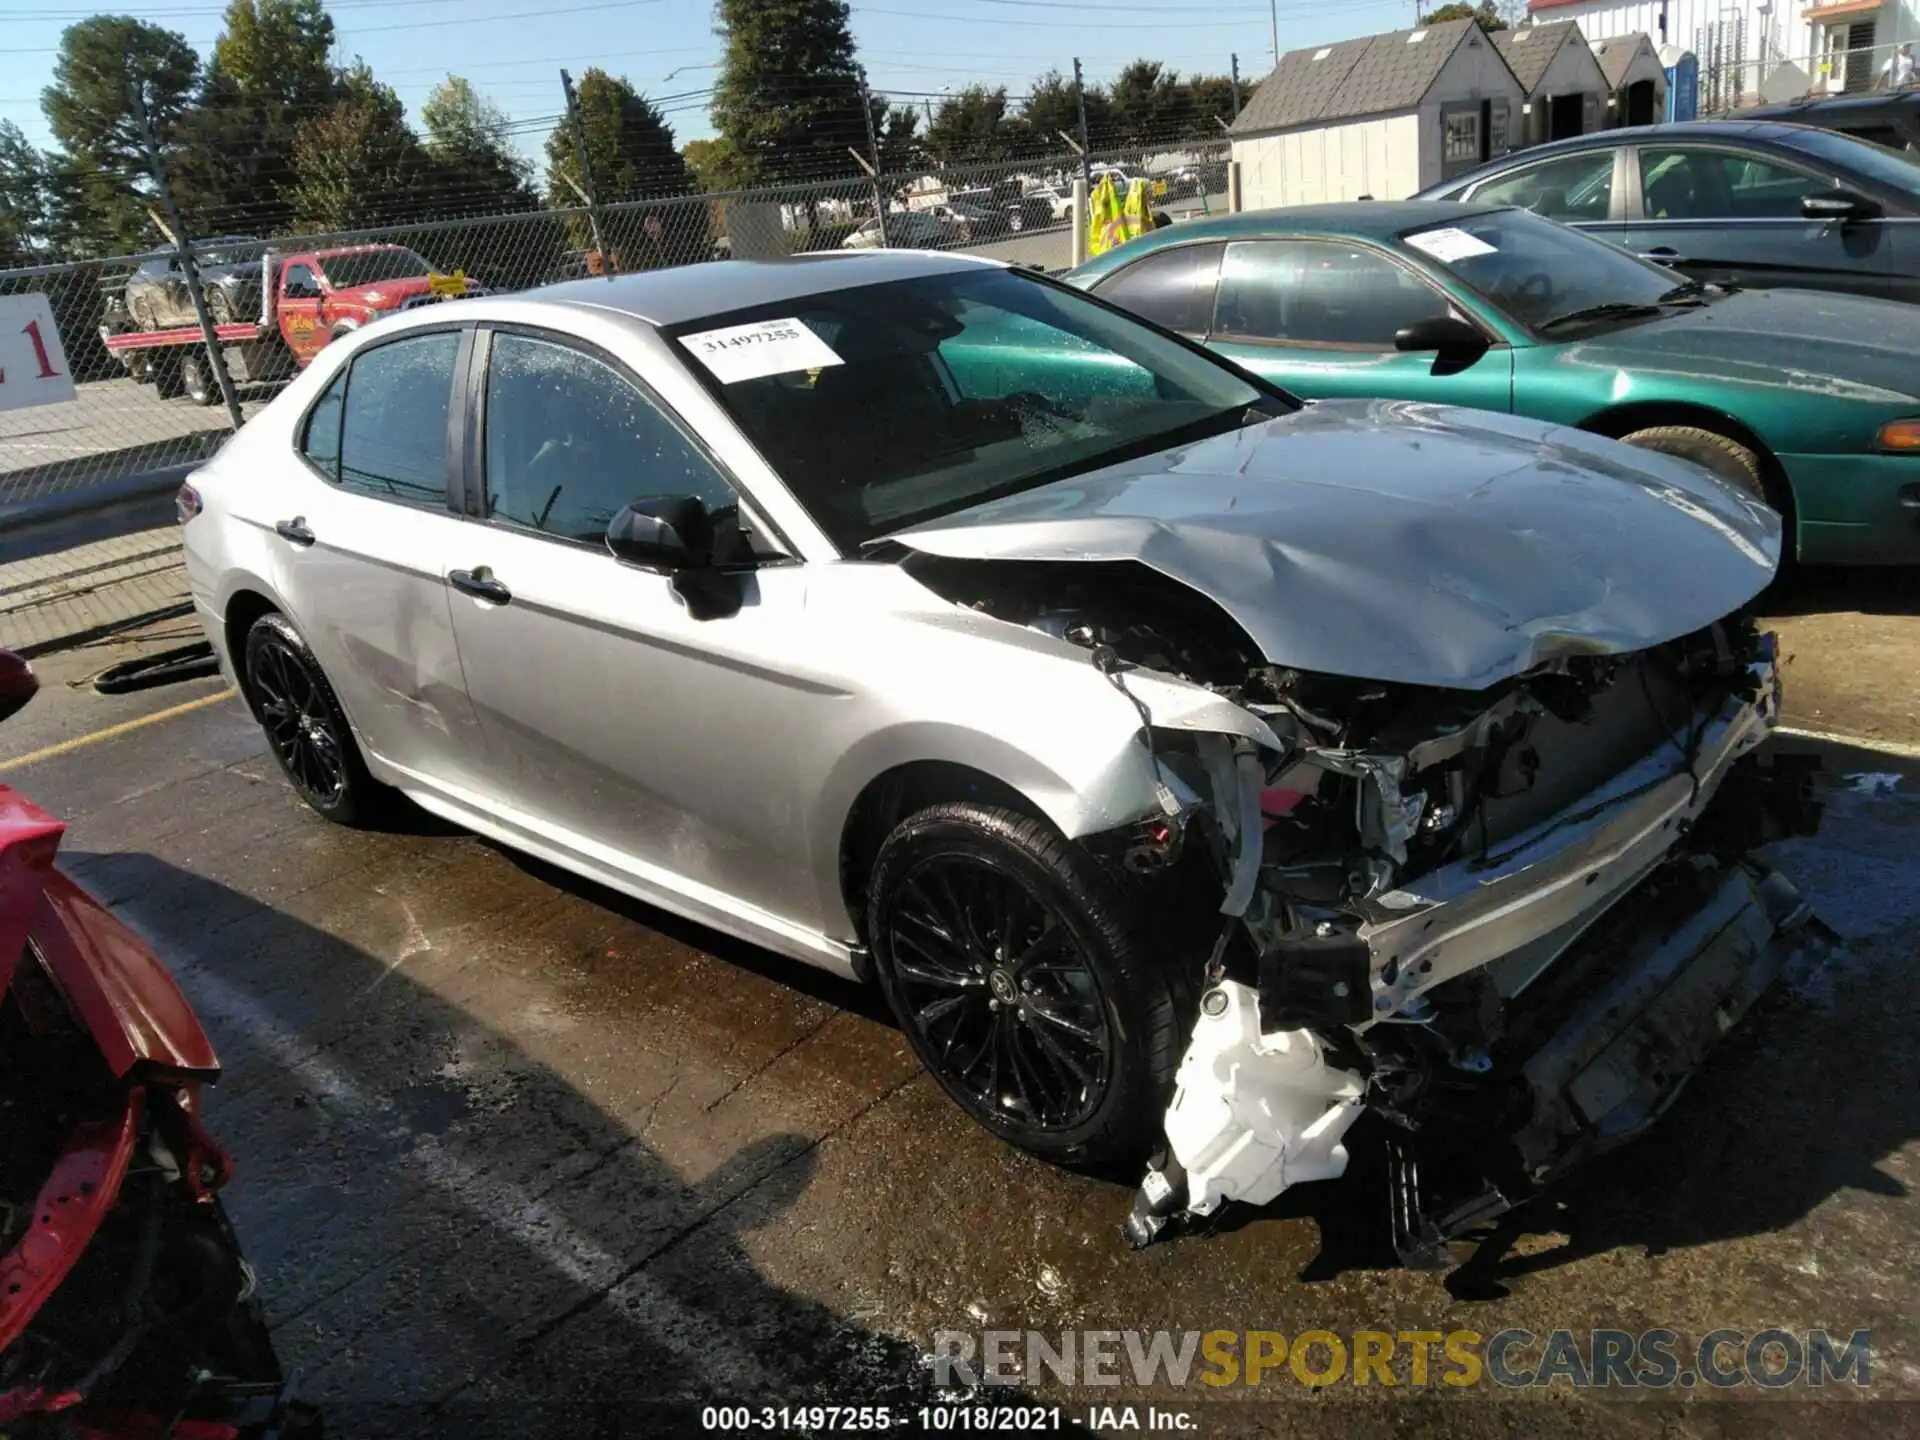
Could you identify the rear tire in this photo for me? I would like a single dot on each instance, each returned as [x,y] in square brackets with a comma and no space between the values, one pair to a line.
[305,727]
[197,380]
[1024,982]
[141,310]
[167,380]
[219,307]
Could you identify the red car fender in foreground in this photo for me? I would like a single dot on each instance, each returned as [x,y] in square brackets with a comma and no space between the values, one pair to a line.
[125,1308]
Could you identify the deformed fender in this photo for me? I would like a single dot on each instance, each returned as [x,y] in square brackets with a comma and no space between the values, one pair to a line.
[1112,780]
[1124,790]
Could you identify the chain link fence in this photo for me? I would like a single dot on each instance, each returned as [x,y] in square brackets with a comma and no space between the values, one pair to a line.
[140,339]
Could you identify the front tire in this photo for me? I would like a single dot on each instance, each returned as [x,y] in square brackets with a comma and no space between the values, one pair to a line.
[305,727]
[1727,458]
[1018,974]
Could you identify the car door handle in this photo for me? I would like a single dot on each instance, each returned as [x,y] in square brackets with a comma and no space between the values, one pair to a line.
[480,584]
[294,531]
[1664,255]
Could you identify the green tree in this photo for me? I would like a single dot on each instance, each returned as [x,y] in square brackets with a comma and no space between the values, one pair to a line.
[357,163]
[1210,96]
[789,95]
[271,72]
[23,197]
[897,129]
[1050,112]
[630,147]
[715,164]
[474,166]
[102,183]
[974,125]
[1485,12]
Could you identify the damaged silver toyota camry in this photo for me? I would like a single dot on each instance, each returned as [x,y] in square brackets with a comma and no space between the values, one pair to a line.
[1194,769]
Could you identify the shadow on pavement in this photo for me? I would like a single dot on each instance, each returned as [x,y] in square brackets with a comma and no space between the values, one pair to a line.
[449,1236]
[1866,589]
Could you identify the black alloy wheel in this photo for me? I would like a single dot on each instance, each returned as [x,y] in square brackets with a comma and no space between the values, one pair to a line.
[305,726]
[996,986]
[1011,966]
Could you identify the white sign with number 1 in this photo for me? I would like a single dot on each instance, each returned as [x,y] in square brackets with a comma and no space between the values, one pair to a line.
[33,367]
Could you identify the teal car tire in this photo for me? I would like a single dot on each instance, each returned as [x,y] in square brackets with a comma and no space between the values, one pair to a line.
[1727,458]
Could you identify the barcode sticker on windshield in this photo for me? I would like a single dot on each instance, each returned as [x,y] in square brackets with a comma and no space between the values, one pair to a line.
[1450,244]
[766,347]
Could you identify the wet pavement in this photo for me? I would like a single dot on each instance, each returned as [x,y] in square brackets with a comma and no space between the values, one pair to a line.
[509,1143]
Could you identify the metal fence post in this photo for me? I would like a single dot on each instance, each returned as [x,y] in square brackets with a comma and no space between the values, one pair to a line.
[216,357]
[585,187]
[1082,218]
[1080,108]
[873,152]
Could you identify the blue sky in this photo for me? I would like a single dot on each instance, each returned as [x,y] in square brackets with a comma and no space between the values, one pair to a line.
[513,50]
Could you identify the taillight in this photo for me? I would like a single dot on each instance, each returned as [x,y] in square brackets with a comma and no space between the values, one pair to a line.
[186,503]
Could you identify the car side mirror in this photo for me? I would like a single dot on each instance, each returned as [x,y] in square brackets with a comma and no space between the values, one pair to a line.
[1841,205]
[663,532]
[1456,343]
[675,533]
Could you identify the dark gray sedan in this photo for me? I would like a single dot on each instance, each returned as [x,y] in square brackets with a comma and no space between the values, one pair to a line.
[1754,203]
[157,297]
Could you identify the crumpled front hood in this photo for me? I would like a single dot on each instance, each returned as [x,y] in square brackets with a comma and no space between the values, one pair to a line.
[1810,341]
[1402,542]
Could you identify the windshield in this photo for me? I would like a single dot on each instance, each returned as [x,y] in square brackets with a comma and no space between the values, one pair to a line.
[1538,271]
[368,267]
[890,404]
[1895,169]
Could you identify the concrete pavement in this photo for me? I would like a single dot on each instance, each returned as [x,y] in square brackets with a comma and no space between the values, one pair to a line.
[515,1152]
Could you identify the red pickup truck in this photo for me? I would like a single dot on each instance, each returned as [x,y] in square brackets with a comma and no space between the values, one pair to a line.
[308,298]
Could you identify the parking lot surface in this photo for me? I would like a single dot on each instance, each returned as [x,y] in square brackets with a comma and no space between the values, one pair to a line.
[509,1145]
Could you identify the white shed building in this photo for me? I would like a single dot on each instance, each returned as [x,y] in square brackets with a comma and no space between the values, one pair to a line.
[1826,48]
[1564,91]
[1636,80]
[1382,116]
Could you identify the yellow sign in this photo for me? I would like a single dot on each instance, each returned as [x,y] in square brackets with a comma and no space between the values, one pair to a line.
[454,284]
[300,324]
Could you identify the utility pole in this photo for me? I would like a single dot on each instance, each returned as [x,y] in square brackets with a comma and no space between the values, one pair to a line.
[873,151]
[1273,13]
[1080,106]
[216,357]
[585,187]
[1236,87]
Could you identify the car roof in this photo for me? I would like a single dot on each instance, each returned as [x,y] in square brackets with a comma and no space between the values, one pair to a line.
[1872,104]
[688,292]
[1760,131]
[1364,219]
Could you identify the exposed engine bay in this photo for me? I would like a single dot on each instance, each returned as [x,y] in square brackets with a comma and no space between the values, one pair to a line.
[1509,922]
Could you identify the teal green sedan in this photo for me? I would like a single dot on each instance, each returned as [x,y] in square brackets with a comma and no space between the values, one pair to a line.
[1810,399]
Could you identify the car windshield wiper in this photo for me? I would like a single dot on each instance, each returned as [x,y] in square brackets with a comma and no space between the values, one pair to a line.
[1611,310]
[1687,292]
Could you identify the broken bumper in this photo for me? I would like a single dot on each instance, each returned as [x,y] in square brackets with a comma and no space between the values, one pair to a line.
[1618,1052]
[1518,907]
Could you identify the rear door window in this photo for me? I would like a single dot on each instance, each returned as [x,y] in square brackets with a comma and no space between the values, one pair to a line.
[1319,292]
[393,423]
[1173,287]
[1577,188]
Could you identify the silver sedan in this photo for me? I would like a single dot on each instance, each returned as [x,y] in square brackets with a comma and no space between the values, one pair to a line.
[930,621]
